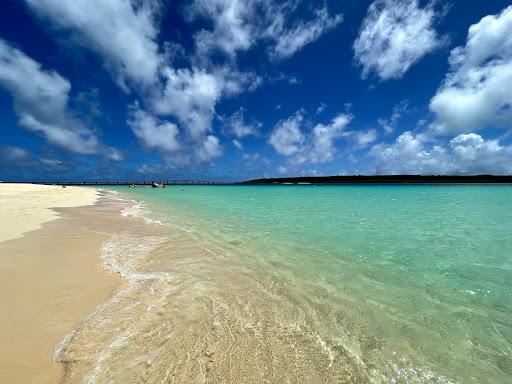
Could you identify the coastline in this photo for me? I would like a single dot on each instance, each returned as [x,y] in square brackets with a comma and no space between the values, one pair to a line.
[199,297]
[51,272]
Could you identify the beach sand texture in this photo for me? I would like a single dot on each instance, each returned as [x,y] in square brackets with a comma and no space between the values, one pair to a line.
[24,207]
[50,277]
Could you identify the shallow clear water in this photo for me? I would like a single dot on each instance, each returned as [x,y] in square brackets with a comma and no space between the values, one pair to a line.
[407,284]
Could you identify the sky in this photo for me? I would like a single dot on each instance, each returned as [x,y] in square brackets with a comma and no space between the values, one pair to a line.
[239,89]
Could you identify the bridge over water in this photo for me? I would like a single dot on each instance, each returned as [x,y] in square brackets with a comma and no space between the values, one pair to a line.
[137,182]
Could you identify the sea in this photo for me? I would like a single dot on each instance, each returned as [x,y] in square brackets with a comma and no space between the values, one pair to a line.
[304,284]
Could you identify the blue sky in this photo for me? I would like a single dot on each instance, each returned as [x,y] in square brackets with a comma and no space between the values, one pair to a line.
[237,89]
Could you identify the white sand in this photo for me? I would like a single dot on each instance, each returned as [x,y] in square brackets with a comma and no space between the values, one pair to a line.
[51,274]
[24,207]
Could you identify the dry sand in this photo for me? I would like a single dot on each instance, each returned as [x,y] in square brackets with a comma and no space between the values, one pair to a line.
[24,207]
[51,276]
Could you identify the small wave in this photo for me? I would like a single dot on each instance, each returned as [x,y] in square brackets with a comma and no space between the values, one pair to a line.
[122,254]
[60,349]
[137,210]
[412,374]
[132,210]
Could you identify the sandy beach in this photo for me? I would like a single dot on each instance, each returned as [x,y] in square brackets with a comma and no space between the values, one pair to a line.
[51,274]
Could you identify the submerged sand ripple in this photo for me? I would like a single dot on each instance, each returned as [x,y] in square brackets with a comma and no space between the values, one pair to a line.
[190,315]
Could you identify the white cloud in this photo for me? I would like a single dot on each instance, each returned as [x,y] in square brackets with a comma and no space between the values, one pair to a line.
[321,148]
[209,149]
[317,146]
[238,145]
[477,91]
[41,102]
[190,95]
[239,24]
[133,57]
[250,158]
[282,170]
[113,154]
[11,154]
[78,139]
[237,126]
[232,28]
[294,39]
[123,32]
[465,154]
[14,159]
[395,34]
[362,139]
[153,134]
[389,125]
[164,136]
[321,108]
[287,138]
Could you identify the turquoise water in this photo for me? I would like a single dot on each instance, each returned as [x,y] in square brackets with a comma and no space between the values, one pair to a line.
[408,284]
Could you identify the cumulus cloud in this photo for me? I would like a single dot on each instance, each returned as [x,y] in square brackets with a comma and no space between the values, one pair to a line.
[209,149]
[122,32]
[287,138]
[190,153]
[240,24]
[465,154]
[395,34]
[190,95]
[362,139]
[164,136]
[152,133]
[477,91]
[232,28]
[41,101]
[237,126]
[321,148]
[317,146]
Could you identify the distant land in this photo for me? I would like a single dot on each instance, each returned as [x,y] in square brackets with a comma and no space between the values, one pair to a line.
[385,179]
[354,179]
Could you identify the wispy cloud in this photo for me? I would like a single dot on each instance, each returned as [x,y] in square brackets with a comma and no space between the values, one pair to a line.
[238,25]
[236,125]
[390,124]
[317,146]
[396,34]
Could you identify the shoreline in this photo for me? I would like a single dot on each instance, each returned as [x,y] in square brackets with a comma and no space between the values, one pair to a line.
[51,272]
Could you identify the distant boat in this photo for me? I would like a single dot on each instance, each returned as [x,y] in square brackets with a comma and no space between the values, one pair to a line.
[132,186]
[157,185]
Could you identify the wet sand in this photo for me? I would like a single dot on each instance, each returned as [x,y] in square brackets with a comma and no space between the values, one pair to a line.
[50,278]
